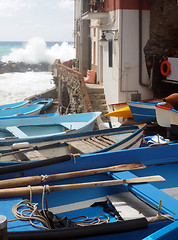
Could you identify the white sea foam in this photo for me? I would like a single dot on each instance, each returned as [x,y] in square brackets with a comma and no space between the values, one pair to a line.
[17,86]
[36,51]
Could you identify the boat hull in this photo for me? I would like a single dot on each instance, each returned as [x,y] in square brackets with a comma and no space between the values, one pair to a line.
[77,202]
[14,105]
[45,128]
[22,111]
[143,112]
[174,121]
[123,112]
[163,115]
[125,137]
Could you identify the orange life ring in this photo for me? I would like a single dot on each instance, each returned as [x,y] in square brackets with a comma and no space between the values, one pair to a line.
[168,68]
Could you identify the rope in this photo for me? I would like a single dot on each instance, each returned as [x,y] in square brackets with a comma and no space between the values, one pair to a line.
[44,178]
[74,155]
[31,213]
[91,221]
[31,209]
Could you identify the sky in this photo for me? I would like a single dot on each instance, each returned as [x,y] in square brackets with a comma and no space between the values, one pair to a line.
[52,20]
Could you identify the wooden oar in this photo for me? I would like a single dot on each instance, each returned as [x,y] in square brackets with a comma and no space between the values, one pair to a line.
[28,148]
[24,181]
[23,191]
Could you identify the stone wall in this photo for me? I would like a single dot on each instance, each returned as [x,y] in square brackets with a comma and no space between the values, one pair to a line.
[73,94]
[163,28]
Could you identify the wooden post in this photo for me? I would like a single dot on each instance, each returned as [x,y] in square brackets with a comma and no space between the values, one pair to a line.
[3,227]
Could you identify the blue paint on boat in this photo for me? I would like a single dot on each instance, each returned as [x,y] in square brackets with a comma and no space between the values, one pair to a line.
[47,102]
[168,232]
[143,112]
[151,193]
[23,111]
[45,128]
[14,105]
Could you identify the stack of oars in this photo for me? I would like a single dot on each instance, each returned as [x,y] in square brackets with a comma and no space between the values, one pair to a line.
[13,187]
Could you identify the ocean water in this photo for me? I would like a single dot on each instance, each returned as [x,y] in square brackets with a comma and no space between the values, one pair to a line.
[15,87]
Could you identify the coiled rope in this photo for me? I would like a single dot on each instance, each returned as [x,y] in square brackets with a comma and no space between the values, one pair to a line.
[31,209]
[31,213]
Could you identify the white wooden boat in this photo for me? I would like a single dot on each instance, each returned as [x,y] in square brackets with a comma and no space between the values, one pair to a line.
[125,137]
[174,121]
[163,114]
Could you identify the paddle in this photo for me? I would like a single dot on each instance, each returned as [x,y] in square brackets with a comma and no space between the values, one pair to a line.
[23,181]
[26,147]
[21,191]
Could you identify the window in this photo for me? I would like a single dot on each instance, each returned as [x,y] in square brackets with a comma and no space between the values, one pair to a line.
[110,50]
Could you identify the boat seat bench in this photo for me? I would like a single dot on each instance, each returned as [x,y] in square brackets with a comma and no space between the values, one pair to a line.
[92,144]
[16,132]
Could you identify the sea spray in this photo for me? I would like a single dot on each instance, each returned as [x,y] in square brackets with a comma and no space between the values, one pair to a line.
[18,86]
[36,51]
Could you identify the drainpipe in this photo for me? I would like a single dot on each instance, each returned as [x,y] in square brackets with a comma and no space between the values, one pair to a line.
[140,45]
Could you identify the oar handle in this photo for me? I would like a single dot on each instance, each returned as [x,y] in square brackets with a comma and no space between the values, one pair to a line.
[27,148]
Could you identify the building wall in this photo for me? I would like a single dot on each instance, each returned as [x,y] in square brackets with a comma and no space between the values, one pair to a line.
[121,82]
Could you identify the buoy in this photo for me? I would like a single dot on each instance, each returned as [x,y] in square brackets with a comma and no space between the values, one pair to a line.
[172,100]
[165,65]
[21,145]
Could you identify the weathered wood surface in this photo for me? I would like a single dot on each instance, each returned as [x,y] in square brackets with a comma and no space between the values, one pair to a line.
[24,181]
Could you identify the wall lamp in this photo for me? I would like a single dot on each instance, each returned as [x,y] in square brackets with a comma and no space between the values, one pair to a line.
[103,36]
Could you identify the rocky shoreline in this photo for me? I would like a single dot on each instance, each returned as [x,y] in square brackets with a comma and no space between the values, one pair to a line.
[24,67]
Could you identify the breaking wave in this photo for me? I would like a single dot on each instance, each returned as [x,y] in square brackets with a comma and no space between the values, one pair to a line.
[37,51]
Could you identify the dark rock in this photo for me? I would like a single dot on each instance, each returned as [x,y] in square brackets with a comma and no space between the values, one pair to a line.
[23,67]
[163,28]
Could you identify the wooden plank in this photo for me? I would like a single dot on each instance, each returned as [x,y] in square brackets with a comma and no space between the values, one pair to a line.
[107,140]
[35,155]
[100,141]
[83,146]
[93,143]
[16,132]
[110,139]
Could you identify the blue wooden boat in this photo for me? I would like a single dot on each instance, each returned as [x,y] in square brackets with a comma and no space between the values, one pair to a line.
[14,105]
[47,102]
[44,128]
[128,208]
[124,137]
[144,111]
[21,111]
[168,232]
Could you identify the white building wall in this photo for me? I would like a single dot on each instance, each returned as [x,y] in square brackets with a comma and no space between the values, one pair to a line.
[119,83]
